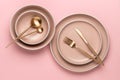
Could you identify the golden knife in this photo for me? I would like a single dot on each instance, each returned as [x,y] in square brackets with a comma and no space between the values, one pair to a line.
[88,45]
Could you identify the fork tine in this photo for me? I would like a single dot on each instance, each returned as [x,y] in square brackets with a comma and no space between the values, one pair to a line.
[69,42]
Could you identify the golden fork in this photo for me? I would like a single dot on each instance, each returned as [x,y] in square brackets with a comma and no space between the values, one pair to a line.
[72,44]
[88,45]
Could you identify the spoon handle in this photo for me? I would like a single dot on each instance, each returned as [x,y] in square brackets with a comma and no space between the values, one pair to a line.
[28,34]
[18,37]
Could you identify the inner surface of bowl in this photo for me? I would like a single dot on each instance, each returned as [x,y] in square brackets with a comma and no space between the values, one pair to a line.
[47,23]
[24,21]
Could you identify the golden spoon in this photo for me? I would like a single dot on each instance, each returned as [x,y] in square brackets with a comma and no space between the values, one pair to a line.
[35,23]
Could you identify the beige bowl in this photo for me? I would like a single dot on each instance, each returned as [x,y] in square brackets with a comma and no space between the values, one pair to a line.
[21,21]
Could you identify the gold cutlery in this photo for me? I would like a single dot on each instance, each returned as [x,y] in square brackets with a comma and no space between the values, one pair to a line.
[38,31]
[72,44]
[35,23]
[88,45]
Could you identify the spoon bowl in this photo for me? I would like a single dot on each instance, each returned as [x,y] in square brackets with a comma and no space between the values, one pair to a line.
[36,22]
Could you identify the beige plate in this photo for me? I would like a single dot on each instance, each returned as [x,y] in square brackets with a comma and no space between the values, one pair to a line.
[21,20]
[91,34]
[97,25]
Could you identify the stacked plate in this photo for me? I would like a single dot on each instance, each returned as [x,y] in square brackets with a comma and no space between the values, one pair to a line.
[71,59]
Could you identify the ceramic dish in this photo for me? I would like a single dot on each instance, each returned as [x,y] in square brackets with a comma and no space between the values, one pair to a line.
[23,22]
[22,14]
[71,55]
[91,65]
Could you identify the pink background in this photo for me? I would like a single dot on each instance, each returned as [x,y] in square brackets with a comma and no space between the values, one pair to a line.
[19,64]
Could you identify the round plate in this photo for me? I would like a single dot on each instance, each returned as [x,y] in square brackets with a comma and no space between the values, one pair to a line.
[24,21]
[97,25]
[32,11]
[71,54]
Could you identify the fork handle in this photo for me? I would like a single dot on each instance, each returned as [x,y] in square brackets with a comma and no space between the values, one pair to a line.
[87,55]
